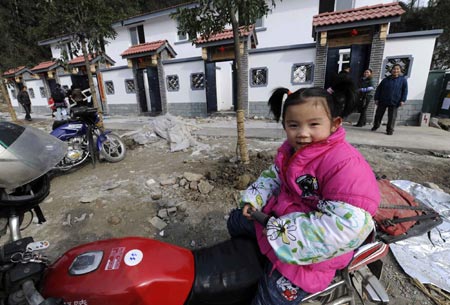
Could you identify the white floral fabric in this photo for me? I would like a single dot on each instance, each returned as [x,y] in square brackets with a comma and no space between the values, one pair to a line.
[259,192]
[305,238]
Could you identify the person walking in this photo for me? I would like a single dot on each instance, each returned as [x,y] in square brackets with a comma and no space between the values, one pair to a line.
[366,91]
[391,94]
[24,99]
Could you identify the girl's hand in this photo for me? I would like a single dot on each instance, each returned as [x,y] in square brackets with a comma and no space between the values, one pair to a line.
[246,209]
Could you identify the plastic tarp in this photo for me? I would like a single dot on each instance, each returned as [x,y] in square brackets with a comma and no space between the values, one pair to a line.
[427,257]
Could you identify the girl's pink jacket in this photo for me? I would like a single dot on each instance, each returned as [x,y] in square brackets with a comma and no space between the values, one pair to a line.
[343,175]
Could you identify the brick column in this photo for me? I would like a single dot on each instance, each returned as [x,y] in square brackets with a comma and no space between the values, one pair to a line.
[320,66]
[376,60]
[162,81]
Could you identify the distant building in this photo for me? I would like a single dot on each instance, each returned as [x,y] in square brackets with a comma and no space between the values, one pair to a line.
[150,69]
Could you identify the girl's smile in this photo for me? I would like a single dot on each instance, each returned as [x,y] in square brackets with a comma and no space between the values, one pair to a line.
[308,123]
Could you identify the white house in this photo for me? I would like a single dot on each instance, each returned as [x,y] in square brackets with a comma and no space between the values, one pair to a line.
[150,69]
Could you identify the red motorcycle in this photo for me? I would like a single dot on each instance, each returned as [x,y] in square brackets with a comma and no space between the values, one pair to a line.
[140,271]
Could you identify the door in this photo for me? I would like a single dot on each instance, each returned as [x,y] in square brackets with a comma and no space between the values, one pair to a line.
[141,90]
[332,66]
[359,60]
[211,88]
[153,89]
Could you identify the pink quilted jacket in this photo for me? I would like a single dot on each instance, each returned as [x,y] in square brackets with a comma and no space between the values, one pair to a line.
[342,174]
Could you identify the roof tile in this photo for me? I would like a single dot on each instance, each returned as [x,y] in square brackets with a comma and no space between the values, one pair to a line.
[225,35]
[43,65]
[144,48]
[359,14]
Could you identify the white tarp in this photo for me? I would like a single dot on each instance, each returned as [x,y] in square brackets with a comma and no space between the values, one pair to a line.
[427,258]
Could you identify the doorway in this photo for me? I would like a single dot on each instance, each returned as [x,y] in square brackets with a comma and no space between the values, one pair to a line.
[220,86]
[356,57]
[149,94]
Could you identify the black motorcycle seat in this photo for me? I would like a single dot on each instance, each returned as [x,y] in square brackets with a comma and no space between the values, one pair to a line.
[226,273]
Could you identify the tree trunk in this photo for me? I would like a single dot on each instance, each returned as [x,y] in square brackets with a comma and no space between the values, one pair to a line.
[91,84]
[240,113]
[11,110]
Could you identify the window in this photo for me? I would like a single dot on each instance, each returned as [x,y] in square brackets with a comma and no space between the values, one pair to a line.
[42,91]
[109,85]
[173,83]
[326,6]
[198,81]
[31,92]
[258,77]
[335,5]
[344,59]
[342,5]
[302,73]
[137,35]
[182,37]
[130,87]
[259,23]
[405,63]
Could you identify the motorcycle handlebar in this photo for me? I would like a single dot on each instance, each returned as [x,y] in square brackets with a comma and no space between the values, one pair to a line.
[259,216]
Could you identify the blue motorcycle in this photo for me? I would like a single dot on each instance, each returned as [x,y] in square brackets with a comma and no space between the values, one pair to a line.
[85,140]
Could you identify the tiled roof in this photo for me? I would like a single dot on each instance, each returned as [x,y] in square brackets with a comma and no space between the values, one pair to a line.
[144,48]
[79,60]
[225,35]
[43,65]
[359,14]
[13,71]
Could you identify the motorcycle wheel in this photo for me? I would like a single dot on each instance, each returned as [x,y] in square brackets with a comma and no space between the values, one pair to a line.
[113,149]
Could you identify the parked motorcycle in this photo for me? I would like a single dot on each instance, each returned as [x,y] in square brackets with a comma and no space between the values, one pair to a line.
[86,140]
[136,270]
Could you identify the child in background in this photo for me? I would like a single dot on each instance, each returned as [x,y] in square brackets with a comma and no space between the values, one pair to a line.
[321,195]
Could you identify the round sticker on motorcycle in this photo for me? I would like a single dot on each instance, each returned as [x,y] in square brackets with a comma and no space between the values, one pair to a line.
[133,257]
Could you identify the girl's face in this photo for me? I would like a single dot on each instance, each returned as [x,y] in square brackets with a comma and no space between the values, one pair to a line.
[367,73]
[308,123]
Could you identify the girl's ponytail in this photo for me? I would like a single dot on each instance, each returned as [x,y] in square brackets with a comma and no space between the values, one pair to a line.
[276,102]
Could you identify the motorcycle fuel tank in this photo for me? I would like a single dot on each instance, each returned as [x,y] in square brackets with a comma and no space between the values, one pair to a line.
[125,271]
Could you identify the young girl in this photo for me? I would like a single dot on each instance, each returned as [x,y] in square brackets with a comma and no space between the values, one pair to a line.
[321,194]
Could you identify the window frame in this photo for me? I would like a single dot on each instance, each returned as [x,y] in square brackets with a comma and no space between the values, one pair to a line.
[31,93]
[203,83]
[302,64]
[126,86]
[388,58]
[137,34]
[251,77]
[169,89]
[107,87]
[43,92]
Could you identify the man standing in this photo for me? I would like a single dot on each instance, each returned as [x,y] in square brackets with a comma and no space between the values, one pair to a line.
[24,100]
[391,94]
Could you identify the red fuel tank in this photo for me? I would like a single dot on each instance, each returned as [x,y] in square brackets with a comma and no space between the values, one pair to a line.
[125,271]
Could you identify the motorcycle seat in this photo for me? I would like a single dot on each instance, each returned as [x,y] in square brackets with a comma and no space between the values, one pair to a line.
[226,273]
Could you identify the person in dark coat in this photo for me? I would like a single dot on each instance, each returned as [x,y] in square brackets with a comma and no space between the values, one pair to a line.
[366,91]
[391,94]
[24,99]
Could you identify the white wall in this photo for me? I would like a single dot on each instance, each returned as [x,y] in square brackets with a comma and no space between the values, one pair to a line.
[160,28]
[35,84]
[421,49]
[290,22]
[279,65]
[184,71]
[65,80]
[118,78]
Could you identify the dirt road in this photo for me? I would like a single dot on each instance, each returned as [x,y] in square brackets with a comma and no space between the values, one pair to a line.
[122,199]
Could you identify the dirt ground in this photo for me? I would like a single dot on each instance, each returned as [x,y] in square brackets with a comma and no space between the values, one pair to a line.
[115,199]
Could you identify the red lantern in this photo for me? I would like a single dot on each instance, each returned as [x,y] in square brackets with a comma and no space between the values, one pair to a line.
[354,32]
[221,49]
